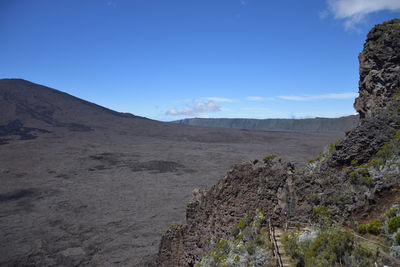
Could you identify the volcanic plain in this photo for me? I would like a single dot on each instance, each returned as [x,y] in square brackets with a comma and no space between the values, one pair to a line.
[85,185]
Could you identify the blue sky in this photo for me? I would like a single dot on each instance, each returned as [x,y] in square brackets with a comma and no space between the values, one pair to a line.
[168,60]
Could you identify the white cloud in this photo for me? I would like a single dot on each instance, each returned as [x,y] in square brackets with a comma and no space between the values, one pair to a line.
[198,107]
[293,97]
[258,98]
[111,3]
[355,11]
[219,99]
[318,97]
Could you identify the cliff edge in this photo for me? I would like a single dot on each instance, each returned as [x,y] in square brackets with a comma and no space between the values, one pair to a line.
[354,179]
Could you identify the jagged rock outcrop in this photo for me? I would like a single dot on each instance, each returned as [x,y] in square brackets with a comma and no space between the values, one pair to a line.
[377,103]
[353,178]
[362,143]
[379,68]
[212,213]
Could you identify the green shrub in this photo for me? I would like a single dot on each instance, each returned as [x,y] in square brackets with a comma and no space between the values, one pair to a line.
[374,162]
[241,224]
[363,256]
[251,248]
[220,252]
[238,237]
[342,200]
[314,198]
[391,213]
[332,247]
[393,224]
[319,158]
[250,237]
[331,147]
[269,157]
[367,180]
[362,229]
[328,248]
[398,238]
[361,175]
[397,136]
[289,241]
[260,241]
[322,215]
[386,151]
[353,176]
[374,227]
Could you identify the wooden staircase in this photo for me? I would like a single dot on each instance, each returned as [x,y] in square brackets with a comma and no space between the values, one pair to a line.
[276,236]
[285,258]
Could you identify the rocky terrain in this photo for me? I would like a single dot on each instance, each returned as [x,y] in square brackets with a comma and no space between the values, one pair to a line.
[341,124]
[354,180]
[85,185]
[379,70]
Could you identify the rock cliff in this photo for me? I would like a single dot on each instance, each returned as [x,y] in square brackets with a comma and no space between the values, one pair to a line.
[341,124]
[379,68]
[353,178]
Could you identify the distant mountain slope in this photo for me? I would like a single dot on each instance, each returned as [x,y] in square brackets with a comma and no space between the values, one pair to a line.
[341,124]
[27,101]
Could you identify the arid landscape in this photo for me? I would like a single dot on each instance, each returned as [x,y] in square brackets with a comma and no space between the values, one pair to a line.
[231,133]
[84,185]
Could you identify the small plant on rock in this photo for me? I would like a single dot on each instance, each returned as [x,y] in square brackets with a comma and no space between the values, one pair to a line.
[268,158]
[393,224]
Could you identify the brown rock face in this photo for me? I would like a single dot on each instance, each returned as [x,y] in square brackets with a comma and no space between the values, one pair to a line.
[213,213]
[379,68]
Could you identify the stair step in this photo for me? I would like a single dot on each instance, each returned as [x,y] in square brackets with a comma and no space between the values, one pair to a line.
[287,261]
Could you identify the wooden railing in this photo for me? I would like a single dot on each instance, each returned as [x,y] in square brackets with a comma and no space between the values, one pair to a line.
[274,243]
